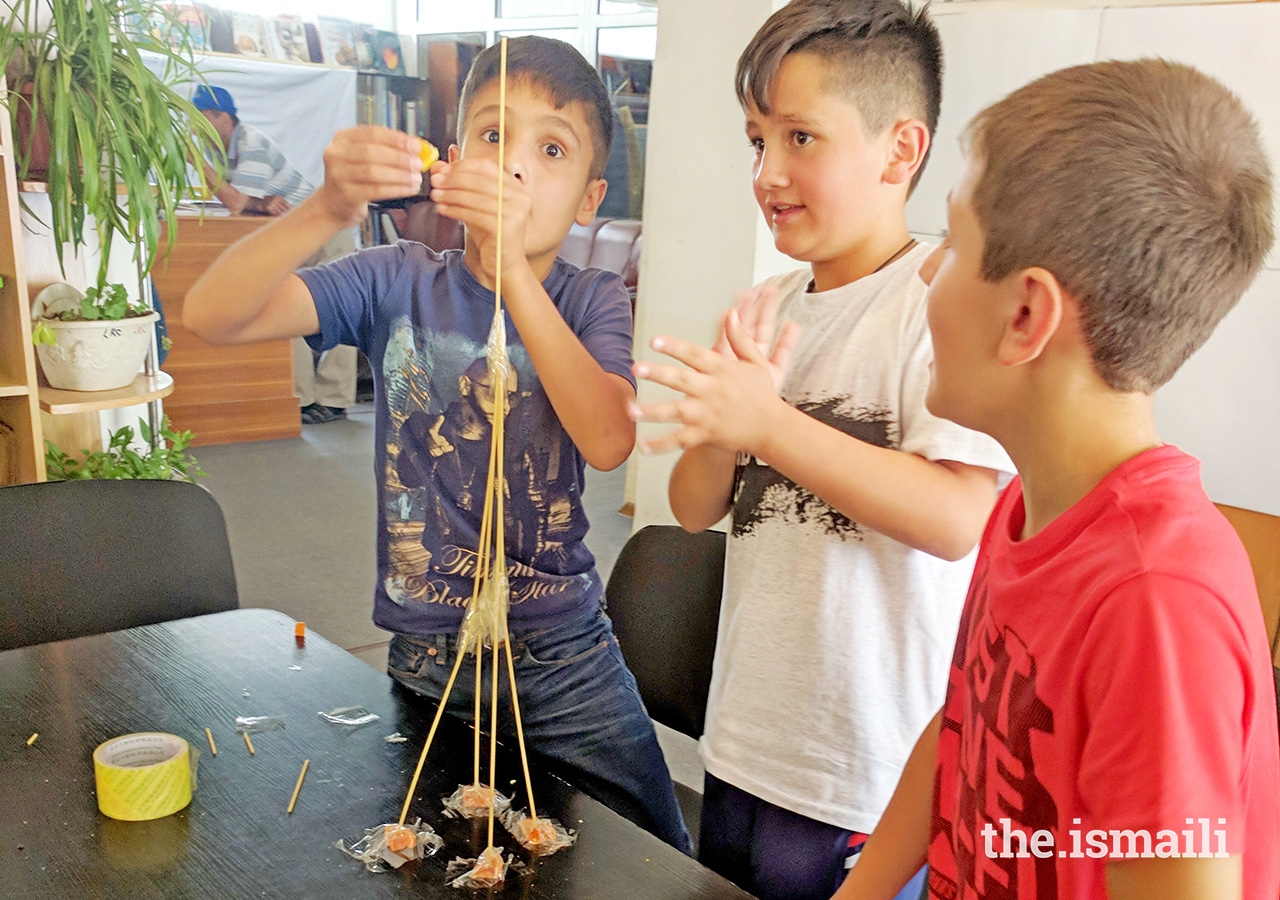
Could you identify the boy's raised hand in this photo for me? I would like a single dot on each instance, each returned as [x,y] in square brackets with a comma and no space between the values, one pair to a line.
[729,389]
[368,163]
[467,190]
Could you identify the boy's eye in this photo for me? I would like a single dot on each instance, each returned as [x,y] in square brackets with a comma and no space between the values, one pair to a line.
[801,138]
[757,144]
[555,151]
[490,135]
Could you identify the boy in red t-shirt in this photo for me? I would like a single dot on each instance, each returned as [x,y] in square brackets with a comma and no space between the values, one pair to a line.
[1110,723]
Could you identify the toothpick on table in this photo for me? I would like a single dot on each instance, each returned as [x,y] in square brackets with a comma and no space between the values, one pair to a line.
[213,748]
[248,743]
[298,787]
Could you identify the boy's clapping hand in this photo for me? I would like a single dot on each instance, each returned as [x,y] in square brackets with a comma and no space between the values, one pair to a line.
[467,190]
[365,164]
[730,388]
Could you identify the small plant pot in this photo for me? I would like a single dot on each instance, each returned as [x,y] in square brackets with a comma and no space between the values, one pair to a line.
[96,356]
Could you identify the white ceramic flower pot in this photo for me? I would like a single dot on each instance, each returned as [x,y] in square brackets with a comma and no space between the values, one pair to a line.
[96,356]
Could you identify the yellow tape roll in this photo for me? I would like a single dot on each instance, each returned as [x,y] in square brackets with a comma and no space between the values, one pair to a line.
[142,776]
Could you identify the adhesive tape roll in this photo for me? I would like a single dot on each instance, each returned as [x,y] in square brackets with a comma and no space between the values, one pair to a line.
[142,776]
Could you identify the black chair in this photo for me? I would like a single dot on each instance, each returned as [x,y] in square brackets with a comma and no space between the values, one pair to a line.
[664,599]
[85,557]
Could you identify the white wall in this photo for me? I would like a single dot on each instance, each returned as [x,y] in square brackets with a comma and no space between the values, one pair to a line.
[704,238]
[700,221]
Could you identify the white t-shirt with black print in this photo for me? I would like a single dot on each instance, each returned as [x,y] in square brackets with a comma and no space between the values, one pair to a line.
[834,640]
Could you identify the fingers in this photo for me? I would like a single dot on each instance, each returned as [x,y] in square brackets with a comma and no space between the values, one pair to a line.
[743,344]
[721,345]
[680,439]
[679,379]
[374,163]
[696,357]
[780,359]
[766,303]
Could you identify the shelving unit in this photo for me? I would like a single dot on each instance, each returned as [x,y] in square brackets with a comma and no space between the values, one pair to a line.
[21,437]
[31,410]
[401,102]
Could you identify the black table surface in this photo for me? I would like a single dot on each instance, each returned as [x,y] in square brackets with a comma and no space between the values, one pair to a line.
[235,839]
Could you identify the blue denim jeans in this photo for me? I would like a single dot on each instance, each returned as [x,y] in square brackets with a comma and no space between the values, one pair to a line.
[774,853]
[579,705]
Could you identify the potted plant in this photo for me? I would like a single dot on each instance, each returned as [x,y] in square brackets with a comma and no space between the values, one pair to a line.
[164,459]
[119,134]
[94,341]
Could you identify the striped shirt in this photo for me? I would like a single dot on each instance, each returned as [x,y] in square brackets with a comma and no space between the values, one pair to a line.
[259,169]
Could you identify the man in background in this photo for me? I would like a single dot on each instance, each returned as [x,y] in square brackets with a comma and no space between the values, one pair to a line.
[260,180]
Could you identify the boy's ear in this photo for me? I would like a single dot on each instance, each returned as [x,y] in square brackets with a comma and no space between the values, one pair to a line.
[908,145]
[1038,305]
[592,197]
[455,153]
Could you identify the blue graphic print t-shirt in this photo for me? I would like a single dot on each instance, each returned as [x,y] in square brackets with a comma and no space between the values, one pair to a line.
[423,321]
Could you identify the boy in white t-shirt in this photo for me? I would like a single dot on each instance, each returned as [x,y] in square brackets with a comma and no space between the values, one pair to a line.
[855,512]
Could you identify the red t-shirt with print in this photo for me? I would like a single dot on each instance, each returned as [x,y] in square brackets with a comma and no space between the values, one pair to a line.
[1111,673]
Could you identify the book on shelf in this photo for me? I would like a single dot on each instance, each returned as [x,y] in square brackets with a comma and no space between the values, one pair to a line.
[387,57]
[249,34]
[174,22]
[222,38]
[363,36]
[287,39]
[337,41]
[313,43]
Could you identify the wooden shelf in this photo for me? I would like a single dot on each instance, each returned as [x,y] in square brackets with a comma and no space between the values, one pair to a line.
[13,390]
[144,389]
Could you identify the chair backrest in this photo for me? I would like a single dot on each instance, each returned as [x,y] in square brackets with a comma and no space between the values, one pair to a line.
[85,557]
[578,243]
[664,599]
[1260,534]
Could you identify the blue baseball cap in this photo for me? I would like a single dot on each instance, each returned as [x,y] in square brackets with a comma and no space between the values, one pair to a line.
[214,98]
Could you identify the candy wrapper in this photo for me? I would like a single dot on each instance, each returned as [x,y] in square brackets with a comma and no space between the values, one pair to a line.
[488,870]
[541,836]
[471,801]
[392,845]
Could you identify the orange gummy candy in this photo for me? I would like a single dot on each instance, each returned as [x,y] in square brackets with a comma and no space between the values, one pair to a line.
[428,154]
[400,838]
[489,866]
[536,832]
[475,796]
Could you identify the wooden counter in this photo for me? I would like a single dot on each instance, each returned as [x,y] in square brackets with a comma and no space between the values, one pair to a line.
[224,394]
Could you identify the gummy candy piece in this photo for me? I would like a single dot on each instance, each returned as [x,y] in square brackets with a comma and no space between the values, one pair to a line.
[428,154]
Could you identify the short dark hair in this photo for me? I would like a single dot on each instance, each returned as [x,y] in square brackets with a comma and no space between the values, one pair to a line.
[557,68]
[1144,188]
[885,56]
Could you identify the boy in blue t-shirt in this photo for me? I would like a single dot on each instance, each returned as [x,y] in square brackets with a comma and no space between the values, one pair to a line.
[423,320]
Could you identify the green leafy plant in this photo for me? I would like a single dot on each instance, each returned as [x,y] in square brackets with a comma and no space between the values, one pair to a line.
[119,135]
[167,460]
[105,303]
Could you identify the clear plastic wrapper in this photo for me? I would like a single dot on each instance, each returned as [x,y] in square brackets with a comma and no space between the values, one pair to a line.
[488,870]
[392,845]
[471,801]
[259,724]
[395,738]
[541,836]
[352,716]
